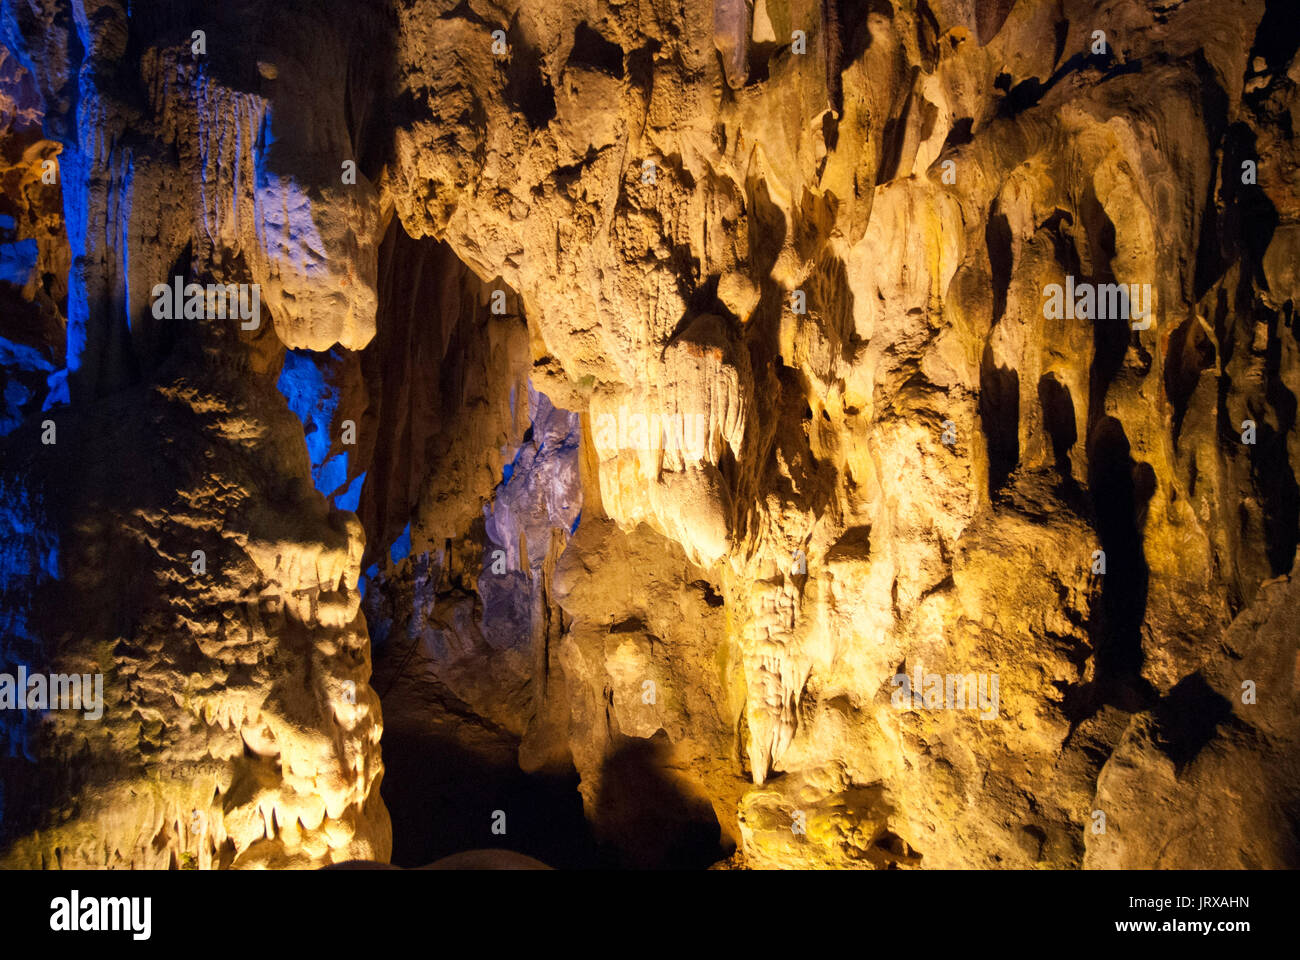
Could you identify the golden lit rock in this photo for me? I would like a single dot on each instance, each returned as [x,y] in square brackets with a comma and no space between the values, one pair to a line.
[762,433]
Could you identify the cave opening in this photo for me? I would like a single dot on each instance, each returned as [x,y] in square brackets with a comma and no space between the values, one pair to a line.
[454,617]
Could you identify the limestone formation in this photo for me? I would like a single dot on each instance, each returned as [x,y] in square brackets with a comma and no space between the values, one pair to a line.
[797,433]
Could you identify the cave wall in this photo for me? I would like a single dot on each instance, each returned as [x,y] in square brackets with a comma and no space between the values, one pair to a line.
[166,534]
[704,382]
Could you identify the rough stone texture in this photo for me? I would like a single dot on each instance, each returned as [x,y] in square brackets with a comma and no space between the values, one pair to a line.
[238,728]
[845,538]
[748,292]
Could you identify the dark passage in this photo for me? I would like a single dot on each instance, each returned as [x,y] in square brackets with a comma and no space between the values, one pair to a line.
[1120,491]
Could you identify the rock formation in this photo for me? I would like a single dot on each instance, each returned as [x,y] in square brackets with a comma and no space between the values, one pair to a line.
[792,433]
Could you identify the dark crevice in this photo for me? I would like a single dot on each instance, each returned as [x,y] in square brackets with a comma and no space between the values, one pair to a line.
[594,52]
[1029,92]
[854,27]
[760,63]
[1214,247]
[528,89]
[1270,462]
[997,238]
[830,131]
[463,11]
[847,36]
[1120,489]
[999,409]
[927,36]
[365,112]
[649,818]
[1191,351]
[1224,333]
[441,797]
[1058,419]
[1278,36]
[1111,335]
[711,596]
[854,544]
[1025,94]
[1061,33]
[894,139]
[1188,718]
[641,67]
[959,135]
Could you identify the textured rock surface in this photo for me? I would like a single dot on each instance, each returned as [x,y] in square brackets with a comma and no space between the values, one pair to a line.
[703,381]
[161,527]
